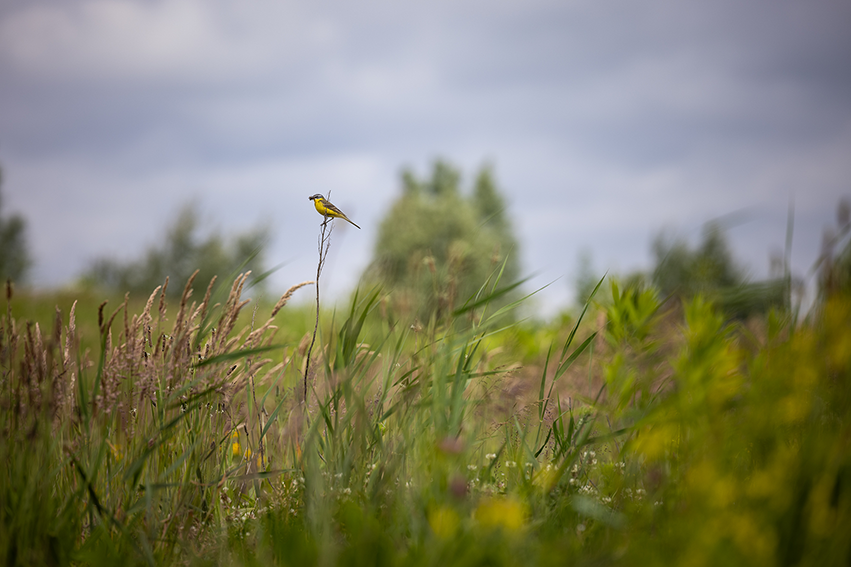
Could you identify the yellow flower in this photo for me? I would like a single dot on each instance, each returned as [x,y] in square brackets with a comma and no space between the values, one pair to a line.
[501,513]
[235,447]
[444,521]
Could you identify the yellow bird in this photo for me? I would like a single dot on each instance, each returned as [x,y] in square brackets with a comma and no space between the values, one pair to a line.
[325,208]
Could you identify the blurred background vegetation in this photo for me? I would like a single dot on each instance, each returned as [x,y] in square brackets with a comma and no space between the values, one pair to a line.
[15,260]
[185,248]
[437,246]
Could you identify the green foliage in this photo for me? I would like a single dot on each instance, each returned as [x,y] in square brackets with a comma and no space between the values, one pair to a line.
[436,246]
[711,271]
[181,443]
[15,259]
[185,249]
[748,454]
[683,271]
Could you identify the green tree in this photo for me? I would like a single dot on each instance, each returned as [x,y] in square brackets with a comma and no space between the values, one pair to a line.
[184,250]
[683,271]
[711,271]
[436,247]
[14,253]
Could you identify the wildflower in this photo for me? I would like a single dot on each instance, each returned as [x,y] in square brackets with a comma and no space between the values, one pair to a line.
[490,456]
[472,467]
[501,513]
[510,464]
[235,447]
[444,521]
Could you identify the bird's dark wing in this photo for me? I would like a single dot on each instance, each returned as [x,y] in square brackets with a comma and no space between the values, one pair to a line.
[331,207]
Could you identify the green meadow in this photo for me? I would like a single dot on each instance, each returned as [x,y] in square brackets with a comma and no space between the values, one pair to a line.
[167,431]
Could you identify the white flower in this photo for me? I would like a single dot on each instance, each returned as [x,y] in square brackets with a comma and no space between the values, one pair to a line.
[510,464]
[471,467]
[490,456]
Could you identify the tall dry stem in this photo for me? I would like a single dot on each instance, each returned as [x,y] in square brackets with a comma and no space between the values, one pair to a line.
[324,246]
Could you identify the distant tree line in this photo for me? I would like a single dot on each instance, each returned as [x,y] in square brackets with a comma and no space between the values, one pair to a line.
[15,259]
[436,247]
[184,248]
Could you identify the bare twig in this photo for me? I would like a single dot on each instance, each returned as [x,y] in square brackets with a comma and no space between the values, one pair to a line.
[324,245]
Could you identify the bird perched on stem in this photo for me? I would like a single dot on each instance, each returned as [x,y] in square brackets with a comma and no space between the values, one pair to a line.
[325,208]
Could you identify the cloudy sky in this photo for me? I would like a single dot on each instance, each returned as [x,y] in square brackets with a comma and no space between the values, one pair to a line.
[605,122]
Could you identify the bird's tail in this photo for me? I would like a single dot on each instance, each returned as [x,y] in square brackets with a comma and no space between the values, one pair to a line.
[347,219]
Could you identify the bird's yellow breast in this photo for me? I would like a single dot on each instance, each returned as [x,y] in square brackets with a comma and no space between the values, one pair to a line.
[320,207]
